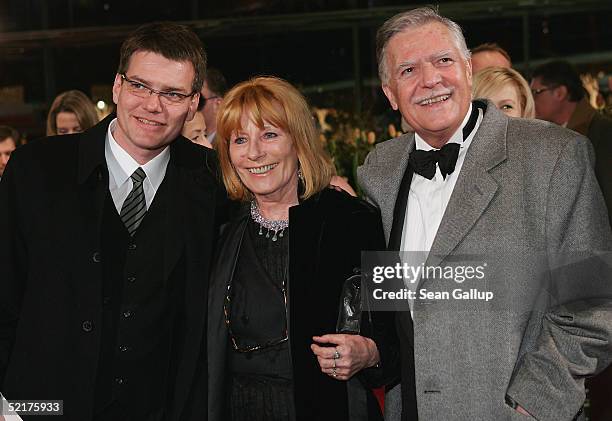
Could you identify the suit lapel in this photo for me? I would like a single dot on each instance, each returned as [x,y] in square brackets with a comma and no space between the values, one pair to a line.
[173,227]
[92,181]
[193,200]
[475,188]
[385,179]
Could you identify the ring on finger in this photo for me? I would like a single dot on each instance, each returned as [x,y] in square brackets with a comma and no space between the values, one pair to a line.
[336,354]
[334,372]
[334,364]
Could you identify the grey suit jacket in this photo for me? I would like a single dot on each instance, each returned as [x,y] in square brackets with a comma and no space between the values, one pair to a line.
[528,201]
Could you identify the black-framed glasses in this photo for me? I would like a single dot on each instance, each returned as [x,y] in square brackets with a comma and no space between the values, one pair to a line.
[203,99]
[235,341]
[538,91]
[141,90]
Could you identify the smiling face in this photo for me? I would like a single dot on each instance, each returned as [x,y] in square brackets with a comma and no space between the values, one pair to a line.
[266,161]
[429,81]
[507,99]
[146,125]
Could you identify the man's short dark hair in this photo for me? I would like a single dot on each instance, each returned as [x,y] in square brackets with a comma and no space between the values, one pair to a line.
[6,132]
[561,73]
[492,47]
[216,82]
[170,40]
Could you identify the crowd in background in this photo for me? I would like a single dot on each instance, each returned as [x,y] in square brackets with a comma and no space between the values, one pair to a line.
[230,121]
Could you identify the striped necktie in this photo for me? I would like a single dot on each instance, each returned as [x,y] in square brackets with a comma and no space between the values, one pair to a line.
[134,207]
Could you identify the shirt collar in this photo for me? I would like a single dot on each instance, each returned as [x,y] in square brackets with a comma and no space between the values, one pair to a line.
[457,137]
[121,165]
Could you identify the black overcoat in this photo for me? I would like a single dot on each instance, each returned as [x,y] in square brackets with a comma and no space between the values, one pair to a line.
[51,200]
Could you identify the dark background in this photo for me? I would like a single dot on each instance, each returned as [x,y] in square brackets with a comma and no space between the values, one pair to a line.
[324,47]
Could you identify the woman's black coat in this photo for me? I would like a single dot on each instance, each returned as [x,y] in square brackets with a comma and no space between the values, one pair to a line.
[327,234]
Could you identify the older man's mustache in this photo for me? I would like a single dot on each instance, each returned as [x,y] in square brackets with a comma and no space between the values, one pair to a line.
[433,97]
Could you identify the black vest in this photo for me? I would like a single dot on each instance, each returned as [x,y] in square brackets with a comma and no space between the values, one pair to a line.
[135,370]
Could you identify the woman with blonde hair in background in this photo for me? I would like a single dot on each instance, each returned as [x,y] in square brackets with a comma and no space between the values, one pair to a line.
[507,89]
[71,112]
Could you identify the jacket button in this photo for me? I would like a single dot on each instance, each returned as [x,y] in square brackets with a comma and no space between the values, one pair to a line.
[131,279]
[96,257]
[124,348]
[127,314]
[106,301]
[132,246]
[119,380]
[87,326]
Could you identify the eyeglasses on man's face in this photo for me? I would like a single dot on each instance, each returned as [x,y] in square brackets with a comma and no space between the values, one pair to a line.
[141,90]
[204,99]
[538,91]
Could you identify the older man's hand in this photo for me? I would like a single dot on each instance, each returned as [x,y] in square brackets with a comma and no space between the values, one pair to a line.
[347,354]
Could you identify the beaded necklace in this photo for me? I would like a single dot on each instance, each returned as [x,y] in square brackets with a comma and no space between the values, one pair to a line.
[277,227]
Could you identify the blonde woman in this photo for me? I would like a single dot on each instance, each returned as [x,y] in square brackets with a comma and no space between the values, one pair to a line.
[507,89]
[71,112]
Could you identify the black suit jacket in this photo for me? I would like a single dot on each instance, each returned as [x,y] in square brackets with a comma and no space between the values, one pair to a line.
[51,200]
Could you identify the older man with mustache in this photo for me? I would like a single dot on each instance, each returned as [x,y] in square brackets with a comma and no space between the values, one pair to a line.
[520,196]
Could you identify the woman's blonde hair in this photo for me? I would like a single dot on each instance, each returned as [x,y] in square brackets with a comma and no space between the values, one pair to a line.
[276,101]
[75,102]
[492,79]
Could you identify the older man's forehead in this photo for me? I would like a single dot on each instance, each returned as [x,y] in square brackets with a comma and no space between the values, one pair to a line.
[405,39]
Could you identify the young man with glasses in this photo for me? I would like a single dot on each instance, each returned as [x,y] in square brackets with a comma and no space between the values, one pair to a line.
[104,292]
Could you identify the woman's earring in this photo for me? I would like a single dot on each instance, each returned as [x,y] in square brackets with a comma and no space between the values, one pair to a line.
[300,174]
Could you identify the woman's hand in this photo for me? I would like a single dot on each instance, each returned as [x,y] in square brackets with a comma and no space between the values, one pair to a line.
[347,355]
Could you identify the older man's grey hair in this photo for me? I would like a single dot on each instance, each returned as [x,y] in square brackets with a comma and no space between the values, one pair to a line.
[410,20]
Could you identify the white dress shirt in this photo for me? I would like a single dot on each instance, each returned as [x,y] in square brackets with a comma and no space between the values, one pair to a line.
[121,166]
[427,200]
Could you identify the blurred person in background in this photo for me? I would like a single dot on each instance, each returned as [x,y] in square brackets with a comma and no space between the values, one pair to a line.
[489,55]
[213,90]
[195,129]
[507,89]
[9,139]
[71,112]
[561,98]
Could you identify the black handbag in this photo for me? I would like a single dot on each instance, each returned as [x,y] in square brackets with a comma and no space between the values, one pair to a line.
[354,305]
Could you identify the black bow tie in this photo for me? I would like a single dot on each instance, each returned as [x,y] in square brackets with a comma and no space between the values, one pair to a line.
[424,162]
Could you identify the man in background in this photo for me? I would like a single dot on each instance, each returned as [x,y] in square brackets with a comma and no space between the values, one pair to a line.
[561,98]
[8,143]
[489,55]
[213,90]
